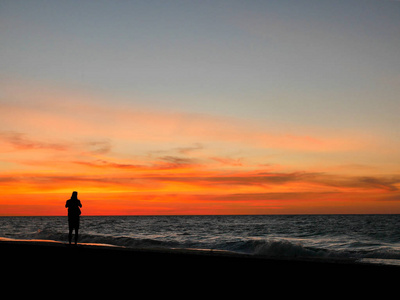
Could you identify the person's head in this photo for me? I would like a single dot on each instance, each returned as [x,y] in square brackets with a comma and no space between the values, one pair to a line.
[74,195]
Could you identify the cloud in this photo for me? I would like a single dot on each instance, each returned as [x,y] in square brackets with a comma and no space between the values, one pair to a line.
[218,193]
[288,196]
[382,183]
[45,183]
[265,180]
[99,163]
[21,141]
[387,184]
[229,161]
[81,141]
[297,181]
[77,115]
[176,161]
[161,163]
[99,146]
[189,150]
[395,197]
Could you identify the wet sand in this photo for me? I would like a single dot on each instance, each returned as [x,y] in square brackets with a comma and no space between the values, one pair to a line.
[51,261]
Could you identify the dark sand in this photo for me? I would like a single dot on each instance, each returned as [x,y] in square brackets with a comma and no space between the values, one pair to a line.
[50,262]
[57,270]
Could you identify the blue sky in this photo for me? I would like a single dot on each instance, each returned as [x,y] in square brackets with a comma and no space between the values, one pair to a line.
[305,61]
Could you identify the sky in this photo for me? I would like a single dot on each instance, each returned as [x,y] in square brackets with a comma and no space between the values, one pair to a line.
[200,107]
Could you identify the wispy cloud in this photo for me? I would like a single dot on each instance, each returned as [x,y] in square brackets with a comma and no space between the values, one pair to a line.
[21,141]
[79,116]
[265,181]
[190,149]
[229,161]
[18,141]
[179,157]
[159,164]
[99,146]
[221,193]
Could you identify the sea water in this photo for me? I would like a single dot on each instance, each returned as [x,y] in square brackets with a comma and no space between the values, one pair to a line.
[373,238]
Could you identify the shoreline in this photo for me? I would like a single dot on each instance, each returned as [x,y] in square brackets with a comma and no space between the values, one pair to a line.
[218,252]
[32,255]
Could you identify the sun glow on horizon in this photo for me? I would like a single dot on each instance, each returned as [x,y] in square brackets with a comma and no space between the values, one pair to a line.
[198,165]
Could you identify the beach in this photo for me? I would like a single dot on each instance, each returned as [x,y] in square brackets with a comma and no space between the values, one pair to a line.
[49,261]
[178,255]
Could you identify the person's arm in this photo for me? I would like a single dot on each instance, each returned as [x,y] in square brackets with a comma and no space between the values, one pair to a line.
[80,203]
[66,204]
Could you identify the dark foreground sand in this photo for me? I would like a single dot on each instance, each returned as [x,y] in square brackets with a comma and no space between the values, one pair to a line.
[46,262]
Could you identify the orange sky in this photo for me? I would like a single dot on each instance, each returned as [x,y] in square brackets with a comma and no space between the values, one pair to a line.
[197,107]
[140,160]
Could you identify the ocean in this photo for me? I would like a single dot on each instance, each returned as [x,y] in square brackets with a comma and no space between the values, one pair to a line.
[368,238]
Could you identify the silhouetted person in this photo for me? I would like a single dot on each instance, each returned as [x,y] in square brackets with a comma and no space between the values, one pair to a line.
[74,212]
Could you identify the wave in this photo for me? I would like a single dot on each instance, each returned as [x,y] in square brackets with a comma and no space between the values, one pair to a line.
[281,248]
[260,247]
[122,241]
[284,248]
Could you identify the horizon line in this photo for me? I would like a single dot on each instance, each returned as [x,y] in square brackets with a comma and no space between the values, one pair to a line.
[200,215]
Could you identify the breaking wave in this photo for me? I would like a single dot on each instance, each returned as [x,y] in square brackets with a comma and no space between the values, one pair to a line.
[370,237]
[261,247]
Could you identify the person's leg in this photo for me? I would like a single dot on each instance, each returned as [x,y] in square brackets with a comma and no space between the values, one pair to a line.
[70,235]
[76,235]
